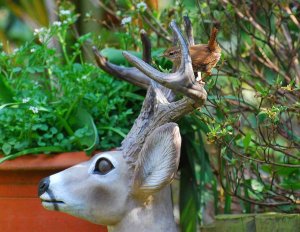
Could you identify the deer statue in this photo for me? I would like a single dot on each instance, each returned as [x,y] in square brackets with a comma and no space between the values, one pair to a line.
[129,189]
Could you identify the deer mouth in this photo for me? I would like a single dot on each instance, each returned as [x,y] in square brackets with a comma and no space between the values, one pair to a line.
[52,201]
[53,204]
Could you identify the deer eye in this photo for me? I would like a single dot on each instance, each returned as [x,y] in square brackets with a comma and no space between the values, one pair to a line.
[103,166]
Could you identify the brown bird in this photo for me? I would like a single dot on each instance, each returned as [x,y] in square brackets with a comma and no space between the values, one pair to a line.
[204,56]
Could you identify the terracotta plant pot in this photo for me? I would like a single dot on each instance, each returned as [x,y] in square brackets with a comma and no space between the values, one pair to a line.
[21,209]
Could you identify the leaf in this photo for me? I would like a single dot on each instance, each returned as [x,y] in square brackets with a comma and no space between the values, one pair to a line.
[84,37]
[53,130]
[294,185]
[42,127]
[77,67]
[116,130]
[266,168]
[30,70]
[263,91]
[287,171]
[82,119]
[188,202]
[195,175]
[247,140]
[257,186]
[6,148]
[32,151]
[6,91]
[251,118]
[261,117]
[133,96]
[16,69]
[8,104]
[115,55]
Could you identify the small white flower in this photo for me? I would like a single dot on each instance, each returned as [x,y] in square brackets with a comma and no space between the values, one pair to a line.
[65,22]
[84,77]
[126,20]
[141,6]
[15,50]
[34,109]
[38,31]
[25,100]
[65,12]
[32,50]
[57,23]
[42,33]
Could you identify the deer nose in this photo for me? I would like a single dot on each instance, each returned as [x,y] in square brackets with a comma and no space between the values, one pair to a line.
[43,186]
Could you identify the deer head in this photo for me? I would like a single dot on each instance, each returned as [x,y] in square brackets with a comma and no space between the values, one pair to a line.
[128,189]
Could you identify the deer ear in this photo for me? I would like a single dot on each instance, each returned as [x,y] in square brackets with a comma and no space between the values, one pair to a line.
[158,160]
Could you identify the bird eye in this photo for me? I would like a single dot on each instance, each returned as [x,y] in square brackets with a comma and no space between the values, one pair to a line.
[171,53]
[103,166]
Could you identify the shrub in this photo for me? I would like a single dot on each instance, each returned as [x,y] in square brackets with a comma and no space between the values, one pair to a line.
[52,100]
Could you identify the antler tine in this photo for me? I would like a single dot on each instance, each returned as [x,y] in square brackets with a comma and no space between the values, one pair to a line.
[131,75]
[183,80]
[144,67]
[146,47]
[166,93]
[189,30]
[153,73]
[185,68]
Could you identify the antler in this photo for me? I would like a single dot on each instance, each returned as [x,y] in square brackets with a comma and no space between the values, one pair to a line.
[182,81]
[159,106]
[131,75]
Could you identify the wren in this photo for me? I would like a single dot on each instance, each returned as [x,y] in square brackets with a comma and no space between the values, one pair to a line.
[204,56]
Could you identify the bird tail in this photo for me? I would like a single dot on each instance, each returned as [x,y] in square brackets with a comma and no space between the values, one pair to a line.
[212,44]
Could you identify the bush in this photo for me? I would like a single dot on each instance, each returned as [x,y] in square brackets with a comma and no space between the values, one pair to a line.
[53,101]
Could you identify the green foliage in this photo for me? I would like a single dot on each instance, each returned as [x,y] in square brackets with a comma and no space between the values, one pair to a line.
[196,174]
[252,112]
[52,101]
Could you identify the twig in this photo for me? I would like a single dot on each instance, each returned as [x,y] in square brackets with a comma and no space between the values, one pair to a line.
[266,161]
[273,204]
[292,16]
[101,4]
[155,29]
